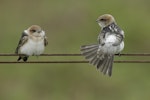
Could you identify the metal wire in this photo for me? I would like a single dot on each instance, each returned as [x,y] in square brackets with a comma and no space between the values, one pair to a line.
[58,62]
[67,61]
[71,54]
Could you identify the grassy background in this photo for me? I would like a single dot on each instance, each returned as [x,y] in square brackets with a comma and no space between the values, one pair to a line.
[70,24]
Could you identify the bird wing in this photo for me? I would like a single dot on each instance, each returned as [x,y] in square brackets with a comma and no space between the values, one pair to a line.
[111,29]
[22,41]
[45,41]
[119,39]
[119,33]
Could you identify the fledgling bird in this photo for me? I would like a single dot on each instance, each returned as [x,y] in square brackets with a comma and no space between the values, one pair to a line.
[32,42]
[110,42]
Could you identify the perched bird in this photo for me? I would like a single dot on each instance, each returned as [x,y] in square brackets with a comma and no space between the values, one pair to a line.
[32,42]
[110,42]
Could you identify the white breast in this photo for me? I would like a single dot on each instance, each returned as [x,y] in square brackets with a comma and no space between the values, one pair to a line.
[109,48]
[33,47]
[110,39]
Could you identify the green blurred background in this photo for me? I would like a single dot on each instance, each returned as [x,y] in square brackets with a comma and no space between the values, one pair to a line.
[70,24]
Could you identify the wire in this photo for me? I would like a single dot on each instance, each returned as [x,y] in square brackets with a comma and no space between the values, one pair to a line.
[119,61]
[125,54]
[57,62]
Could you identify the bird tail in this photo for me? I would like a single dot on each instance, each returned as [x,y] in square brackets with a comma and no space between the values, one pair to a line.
[24,58]
[94,54]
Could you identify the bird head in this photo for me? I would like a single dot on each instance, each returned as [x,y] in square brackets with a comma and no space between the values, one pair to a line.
[105,20]
[35,30]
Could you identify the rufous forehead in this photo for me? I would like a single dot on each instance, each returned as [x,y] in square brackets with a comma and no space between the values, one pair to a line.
[34,27]
[105,16]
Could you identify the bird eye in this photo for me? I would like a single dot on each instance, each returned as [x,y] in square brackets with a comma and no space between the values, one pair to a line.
[102,19]
[33,31]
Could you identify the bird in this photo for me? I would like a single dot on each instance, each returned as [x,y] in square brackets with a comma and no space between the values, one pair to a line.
[32,43]
[110,42]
